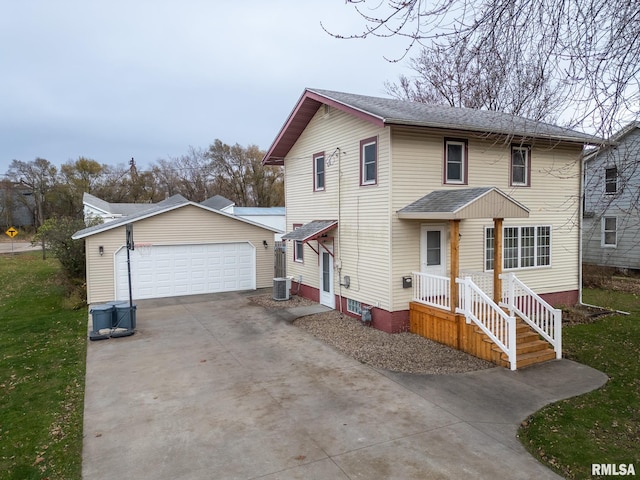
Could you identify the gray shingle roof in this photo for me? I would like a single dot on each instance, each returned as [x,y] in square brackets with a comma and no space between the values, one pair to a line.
[114,208]
[445,201]
[217,201]
[311,230]
[481,202]
[401,112]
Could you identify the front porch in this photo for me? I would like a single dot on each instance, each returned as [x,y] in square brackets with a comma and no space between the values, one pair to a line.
[521,330]
[493,316]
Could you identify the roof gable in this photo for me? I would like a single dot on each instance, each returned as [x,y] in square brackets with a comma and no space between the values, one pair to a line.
[172,203]
[387,111]
[483,202]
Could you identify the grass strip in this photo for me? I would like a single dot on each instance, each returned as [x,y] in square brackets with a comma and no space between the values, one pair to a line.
[42,369]
[603,426]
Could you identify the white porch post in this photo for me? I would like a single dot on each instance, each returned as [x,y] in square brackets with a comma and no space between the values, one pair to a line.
[497,260]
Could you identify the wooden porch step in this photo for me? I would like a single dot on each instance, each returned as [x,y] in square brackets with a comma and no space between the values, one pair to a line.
[530,349]
[531,358]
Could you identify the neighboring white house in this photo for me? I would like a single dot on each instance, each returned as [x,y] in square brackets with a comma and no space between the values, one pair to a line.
[611,226]
[95,207]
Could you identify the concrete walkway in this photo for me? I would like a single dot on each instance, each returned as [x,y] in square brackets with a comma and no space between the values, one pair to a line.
[215,387]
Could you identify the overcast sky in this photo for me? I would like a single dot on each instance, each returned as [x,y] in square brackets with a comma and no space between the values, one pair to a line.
[111,80]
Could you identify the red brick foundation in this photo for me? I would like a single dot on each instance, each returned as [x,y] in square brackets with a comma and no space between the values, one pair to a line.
[398,321]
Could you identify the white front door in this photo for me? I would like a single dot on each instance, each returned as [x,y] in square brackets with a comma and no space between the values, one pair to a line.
[433,250]
[326,275]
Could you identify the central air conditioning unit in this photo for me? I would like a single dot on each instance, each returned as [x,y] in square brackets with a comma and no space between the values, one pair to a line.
[281,288]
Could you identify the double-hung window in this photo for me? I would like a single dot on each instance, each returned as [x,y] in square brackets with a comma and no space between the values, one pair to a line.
[298,247]
[611,180]
[609,232]
[455,161]
[522,247]
[520,166]
[318,172]
[369,161]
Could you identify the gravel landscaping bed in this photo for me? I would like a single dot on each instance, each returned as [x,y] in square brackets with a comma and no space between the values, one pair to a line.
[399,352]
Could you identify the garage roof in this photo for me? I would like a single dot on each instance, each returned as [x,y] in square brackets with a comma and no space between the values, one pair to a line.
[171,203]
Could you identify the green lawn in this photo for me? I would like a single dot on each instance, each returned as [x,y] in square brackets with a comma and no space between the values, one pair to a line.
[602,426]
[42,366]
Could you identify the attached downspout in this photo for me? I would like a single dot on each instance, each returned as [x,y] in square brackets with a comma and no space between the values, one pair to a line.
[339,235]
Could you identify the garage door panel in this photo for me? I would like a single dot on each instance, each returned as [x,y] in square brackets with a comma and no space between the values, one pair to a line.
[170,270]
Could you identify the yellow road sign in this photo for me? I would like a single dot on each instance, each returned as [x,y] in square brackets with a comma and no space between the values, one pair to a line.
[12,232]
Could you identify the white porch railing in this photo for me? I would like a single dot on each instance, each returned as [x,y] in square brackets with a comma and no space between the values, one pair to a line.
[484,280]
[478,307]
[542,317]
[431,290]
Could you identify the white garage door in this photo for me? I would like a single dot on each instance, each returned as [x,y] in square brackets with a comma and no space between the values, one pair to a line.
[172,270]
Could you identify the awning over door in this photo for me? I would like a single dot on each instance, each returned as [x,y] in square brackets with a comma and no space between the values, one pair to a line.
[311,231]
[460,204]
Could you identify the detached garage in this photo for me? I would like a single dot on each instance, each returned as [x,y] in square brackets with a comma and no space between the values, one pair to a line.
[184,248]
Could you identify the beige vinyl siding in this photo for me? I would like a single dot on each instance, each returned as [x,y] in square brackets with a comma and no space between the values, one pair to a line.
[361,242]
[553,199]
[185,225]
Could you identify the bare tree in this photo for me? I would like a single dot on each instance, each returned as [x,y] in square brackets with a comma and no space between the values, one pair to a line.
[39,177]
[588,49]
[456,76]
[240,176]
[189,175]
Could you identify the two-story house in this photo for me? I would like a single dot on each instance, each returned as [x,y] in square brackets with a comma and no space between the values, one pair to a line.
[611,226]
[391,205]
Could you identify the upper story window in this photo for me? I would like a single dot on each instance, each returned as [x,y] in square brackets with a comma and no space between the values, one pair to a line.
[609,232]
[318,171]
[369,161]
[455,161]
[520,166]
[611,180]
[298,247]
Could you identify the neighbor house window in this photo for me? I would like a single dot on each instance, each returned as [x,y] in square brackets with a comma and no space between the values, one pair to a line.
[522,247]
[611,180]
[298,246]
[353,306]
[455,161]
[369,161]
[609,231]
[318,171]
[520,166]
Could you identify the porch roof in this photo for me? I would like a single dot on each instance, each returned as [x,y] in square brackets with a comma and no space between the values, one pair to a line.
[311,230]
[460,204]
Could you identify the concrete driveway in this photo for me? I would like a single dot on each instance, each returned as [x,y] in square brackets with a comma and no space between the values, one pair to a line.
[214,387]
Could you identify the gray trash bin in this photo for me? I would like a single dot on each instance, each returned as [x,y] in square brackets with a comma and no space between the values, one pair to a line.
[115,304]
[101,317]
[125,316]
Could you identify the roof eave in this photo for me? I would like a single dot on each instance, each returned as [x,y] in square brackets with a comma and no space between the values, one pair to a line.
[300,117]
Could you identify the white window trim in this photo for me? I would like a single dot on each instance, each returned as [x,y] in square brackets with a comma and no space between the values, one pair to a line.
[603,232]
[315,173]
[615,192]
[535,247]
[463,165]
[363,180]
[297,259]
[526,167]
